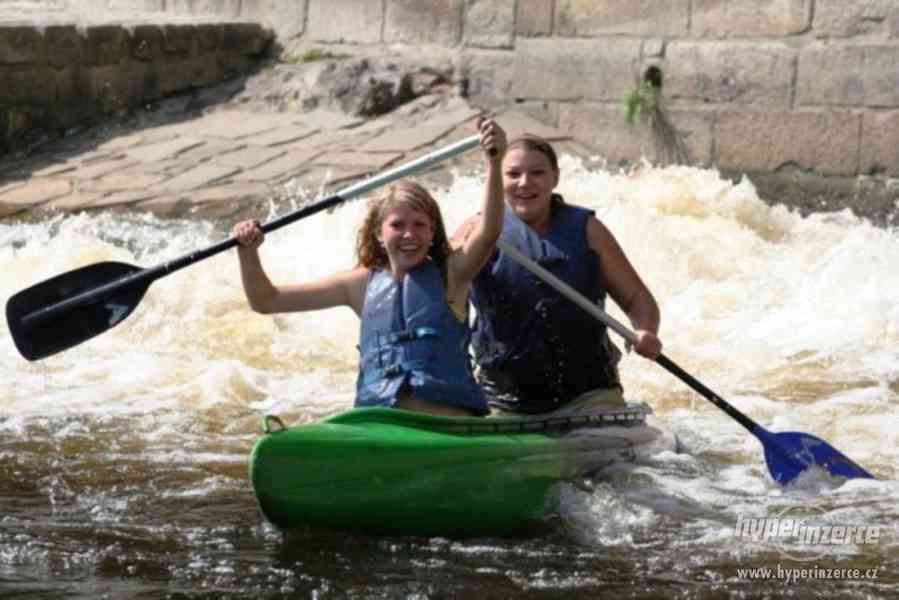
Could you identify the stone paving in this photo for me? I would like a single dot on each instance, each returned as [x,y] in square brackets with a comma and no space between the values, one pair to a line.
[230,158]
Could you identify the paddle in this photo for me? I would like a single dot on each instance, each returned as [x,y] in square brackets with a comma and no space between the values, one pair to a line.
[787,454]
[68,309]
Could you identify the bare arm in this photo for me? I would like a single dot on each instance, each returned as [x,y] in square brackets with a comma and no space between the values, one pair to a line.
[626,288]
[463,231]
[472,250]
[346,288]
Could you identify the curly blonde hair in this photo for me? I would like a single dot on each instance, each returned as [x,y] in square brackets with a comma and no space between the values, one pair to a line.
[370,253]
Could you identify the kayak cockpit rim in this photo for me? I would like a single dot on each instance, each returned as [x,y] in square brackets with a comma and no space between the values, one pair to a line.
[628,416]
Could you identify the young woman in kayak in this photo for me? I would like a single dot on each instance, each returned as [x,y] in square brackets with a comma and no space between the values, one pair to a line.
[536,351]
[410,290]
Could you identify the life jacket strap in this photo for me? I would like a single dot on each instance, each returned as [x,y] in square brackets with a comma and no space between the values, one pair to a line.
[408,335]
[393,370]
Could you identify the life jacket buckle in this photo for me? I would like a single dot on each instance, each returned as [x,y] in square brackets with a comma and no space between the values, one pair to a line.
[392,370]
[412,334]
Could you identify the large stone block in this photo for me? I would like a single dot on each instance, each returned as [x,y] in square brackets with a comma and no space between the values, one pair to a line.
[113,88]
[630,17]
[825,141]
[846,74]
[245,38]
[64,46]
[730,72]
[880,143]
[176,77]
[22,45]
[106,45]
[554,69]
[534,18]
[69,106]
[209,37]
[604,128]
[841,19]
[25,85]
[179,41]
[414,22]
[756,19]
[147,43]
[695,130]
[207,70]
[487,77]
[489,23]
[352,21]
[152,81]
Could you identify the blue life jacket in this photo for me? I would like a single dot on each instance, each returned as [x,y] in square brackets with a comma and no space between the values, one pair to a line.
[411,340]
[535,348]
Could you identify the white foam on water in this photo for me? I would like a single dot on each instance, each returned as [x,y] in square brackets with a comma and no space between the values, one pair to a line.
[794,320]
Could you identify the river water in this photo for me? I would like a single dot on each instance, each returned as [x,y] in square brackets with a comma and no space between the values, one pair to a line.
[123,460]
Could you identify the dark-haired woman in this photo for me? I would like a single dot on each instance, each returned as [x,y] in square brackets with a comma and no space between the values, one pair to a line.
[536,351]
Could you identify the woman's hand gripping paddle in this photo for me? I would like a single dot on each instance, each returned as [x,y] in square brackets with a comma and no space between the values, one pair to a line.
[73,307]
[787,454]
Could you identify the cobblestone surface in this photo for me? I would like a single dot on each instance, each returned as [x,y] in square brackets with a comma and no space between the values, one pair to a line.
[228,159]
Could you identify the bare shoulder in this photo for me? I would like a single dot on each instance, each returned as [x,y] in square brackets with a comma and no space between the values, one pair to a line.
[352,282]
[354,276]
[622,280]
[600,238]
[464,230]
[355,281]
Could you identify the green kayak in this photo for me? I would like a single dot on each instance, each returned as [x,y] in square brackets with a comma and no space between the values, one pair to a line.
[394,471]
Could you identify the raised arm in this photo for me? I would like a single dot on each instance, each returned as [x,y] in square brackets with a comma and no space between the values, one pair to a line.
[627,289]
[463,231]
[477,244]
[346,288]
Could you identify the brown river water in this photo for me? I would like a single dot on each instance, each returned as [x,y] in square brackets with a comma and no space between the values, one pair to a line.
[123,461]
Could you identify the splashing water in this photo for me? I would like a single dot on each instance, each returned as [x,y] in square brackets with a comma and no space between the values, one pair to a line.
[122,460]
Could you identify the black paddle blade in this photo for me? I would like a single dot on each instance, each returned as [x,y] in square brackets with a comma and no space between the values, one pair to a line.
[789,453]
[43,323]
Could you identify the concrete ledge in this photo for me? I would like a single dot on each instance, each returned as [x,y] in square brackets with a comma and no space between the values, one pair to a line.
[54,77]
[867,197]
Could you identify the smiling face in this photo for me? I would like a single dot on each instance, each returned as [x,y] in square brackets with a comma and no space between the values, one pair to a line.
[529,178]
[406,234]
[402,228]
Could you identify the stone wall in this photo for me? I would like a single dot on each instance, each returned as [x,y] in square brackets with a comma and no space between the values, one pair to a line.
[751,86]
[56,74]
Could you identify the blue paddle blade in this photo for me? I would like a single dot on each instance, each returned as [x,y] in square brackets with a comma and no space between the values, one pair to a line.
[789,453]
